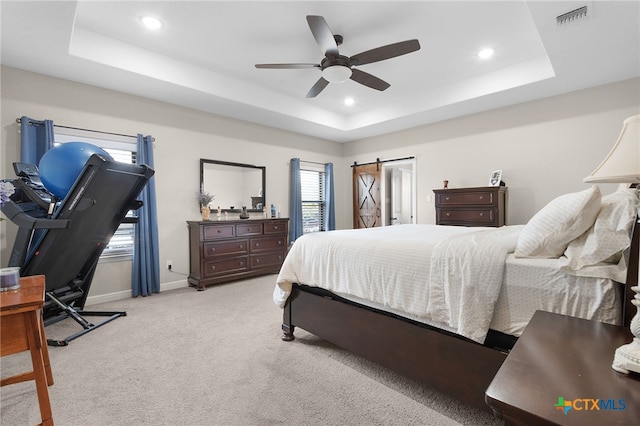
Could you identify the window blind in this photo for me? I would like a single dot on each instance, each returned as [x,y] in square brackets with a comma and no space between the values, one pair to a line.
[313,203]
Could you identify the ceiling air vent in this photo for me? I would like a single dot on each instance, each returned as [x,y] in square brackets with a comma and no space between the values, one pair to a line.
[572,16]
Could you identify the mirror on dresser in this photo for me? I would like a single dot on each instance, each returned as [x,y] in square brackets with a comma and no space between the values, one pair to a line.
[235,185]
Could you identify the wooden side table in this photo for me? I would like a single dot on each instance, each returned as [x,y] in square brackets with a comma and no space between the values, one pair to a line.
[22,329]
[559,373]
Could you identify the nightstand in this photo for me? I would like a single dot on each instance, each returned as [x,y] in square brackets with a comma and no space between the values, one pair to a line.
[559,373]
[481,206]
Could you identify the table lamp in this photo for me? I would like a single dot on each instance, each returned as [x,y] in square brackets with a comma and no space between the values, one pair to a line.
[622,165]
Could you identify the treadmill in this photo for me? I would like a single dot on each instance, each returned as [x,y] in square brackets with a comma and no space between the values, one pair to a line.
[63,239]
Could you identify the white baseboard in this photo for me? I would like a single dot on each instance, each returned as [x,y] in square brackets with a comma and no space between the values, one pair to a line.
[119,295]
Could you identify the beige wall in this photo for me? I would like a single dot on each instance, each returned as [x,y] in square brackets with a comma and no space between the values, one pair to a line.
[182,137]
[544,147]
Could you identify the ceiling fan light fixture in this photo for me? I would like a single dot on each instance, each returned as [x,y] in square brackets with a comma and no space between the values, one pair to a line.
[151,22]
[336,73]
[485,53]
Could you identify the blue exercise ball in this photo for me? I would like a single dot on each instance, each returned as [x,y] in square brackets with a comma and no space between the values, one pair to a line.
[61,165]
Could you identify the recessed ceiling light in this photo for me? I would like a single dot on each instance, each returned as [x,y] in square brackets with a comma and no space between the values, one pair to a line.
[485,53]
[349,101]
[151,23]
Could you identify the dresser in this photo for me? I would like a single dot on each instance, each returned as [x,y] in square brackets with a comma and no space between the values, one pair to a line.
[481,206]
[227,250]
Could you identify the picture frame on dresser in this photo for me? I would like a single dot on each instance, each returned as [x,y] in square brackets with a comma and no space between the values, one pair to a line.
[496,178]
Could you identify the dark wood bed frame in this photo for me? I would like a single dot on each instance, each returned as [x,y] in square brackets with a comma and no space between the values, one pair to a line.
[444,361]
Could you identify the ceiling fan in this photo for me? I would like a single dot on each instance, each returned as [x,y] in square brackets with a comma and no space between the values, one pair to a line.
[337,68]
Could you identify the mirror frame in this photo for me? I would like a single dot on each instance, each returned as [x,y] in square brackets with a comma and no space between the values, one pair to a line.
[204,161]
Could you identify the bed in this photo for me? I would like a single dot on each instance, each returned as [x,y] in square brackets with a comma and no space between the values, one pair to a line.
[444,304]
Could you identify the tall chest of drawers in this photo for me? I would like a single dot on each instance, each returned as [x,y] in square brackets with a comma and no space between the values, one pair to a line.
[481,206]
[222,251]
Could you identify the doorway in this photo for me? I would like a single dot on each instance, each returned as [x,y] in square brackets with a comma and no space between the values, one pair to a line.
[398,192]
[384,193]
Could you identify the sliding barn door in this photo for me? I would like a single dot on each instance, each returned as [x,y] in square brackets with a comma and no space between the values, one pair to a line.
[366,196]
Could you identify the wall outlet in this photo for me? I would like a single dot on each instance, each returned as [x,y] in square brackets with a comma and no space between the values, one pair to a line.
[169,264]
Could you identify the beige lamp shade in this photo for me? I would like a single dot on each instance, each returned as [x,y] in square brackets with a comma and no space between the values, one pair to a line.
[622,164]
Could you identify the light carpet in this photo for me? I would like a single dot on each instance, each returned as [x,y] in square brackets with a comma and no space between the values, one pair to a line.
[215,357]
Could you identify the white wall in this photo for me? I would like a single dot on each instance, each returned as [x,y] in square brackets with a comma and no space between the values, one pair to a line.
[182,137]
[544,147]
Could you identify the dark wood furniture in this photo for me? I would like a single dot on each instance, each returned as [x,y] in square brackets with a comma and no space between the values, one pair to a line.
[481,206]
[444,361]
[227,250]
[558,360]
[22,329]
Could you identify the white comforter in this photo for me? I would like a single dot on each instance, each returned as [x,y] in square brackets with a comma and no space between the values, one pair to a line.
[443,274]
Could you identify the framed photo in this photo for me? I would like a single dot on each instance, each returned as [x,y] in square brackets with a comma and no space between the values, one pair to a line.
[496,178]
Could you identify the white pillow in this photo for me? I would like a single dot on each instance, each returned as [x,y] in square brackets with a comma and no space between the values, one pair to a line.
[609,236]
[558,223]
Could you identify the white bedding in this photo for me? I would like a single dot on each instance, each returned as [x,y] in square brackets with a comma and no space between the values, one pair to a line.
[395,269]
[542,284]
[400,268]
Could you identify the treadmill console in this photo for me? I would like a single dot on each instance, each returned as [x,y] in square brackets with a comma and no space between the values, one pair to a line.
[30,183]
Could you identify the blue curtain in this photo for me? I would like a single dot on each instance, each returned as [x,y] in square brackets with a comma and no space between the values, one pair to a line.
[328,196]
[295,201]
[36,138]
[146,260]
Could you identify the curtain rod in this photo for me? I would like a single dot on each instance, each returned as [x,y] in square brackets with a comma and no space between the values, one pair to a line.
[355,163]
[312,162]
[19,120]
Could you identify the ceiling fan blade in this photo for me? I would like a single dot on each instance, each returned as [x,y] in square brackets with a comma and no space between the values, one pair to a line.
[385,52]
[317,88]
[323,35]
[368,80]
[288,66]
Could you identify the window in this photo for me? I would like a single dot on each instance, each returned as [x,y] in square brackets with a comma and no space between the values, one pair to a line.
[313,200]
[122,149]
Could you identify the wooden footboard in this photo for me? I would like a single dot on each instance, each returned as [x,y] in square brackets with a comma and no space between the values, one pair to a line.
[453,365]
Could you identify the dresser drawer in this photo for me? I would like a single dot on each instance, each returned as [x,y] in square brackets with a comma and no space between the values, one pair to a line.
[268,243]
[478,217]
[279,227]
[213,268]
[226,247]
[234,249]
[478,206]
[464,199]
[218,231]
[267,259]
[249,229]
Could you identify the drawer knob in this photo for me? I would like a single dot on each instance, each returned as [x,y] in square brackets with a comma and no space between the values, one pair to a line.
[446,198]
[275,227]
[257,260]
[481,214]
[219,231]
[480,197]
[279,242]
[213,268]
[448,214]
[240,246]
[257,244]
[212,249]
